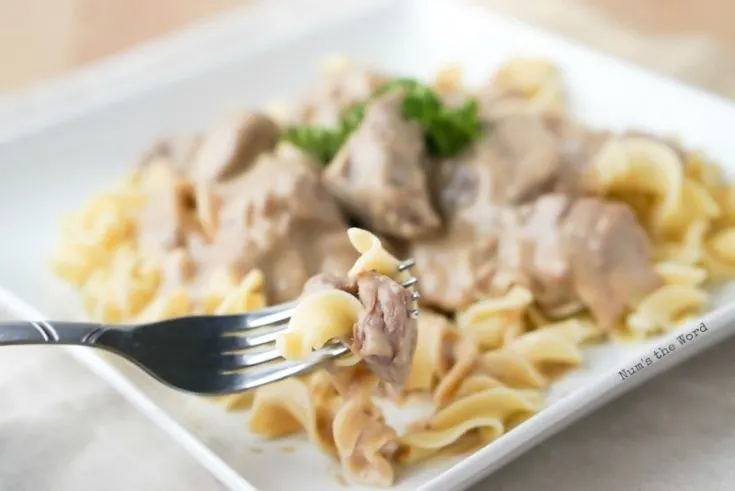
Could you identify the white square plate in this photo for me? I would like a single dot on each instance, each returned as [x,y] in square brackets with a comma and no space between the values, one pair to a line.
[64,140]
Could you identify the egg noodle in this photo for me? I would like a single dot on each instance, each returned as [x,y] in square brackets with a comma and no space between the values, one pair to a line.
[485,369]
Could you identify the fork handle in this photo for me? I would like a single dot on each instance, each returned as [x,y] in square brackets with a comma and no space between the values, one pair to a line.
[45,332]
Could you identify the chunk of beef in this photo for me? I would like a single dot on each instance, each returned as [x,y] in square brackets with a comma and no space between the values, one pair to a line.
[455,270]
[231,147]
[385,335]
[573,253]
[515,161]
[277,217]
[379,175]
[522,157]
[532,254]
[610,256]
[168,218]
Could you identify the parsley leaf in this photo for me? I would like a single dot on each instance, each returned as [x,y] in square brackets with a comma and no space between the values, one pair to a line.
[447,130]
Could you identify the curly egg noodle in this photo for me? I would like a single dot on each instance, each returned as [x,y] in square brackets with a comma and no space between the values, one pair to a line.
[485,369]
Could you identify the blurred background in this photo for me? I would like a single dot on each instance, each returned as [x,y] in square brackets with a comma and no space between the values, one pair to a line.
[689,39]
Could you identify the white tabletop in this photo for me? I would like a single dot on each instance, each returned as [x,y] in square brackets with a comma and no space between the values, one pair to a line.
[62,429]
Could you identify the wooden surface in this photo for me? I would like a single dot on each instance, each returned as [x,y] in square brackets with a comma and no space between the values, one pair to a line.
[42,38]
[711,17]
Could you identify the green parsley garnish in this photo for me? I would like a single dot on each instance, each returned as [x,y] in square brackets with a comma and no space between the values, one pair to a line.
[447,130]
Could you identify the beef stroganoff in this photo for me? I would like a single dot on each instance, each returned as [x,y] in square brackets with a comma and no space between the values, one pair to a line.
[533,235]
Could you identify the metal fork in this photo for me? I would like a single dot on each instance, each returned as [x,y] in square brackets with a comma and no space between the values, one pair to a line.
[208,355]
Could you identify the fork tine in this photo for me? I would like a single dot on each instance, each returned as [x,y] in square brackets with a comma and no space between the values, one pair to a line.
[236,361]
[251,380]
[234,342]
[410,282]
[271,315]
[231,343]
[407,264]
